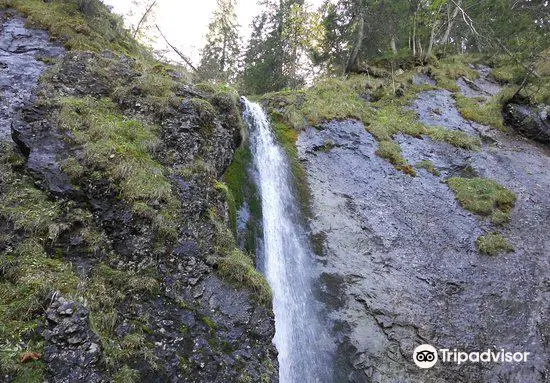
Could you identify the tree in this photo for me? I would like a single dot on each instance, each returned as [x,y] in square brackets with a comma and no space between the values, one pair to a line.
[278,54]
[220,56]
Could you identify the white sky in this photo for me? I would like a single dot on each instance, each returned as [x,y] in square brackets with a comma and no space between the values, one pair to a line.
[185,22]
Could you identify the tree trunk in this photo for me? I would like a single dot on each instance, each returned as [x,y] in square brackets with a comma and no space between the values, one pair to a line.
[181,55]
[148,10]
[450,22]
[352,65]
[224,48]
[392,45]
[432,36]
[414,35]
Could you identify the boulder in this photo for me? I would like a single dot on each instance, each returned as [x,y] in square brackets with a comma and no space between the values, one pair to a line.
[532,122]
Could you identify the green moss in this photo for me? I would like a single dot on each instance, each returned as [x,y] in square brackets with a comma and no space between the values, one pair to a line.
[121,148]
[106,290]
[482,111]
[510,73]
[484,196]
[493,244]
[236,176]
[220,186]
[156,91]
[238,268]
[185,364]
[206,114]
[234,266]
[447,71]
[126,375]
[454,137]
[428,166]
[209,322]
[340,98]
[29,277]
[392,152]
[287,137]
[79,28]
[392,118]
[31,372]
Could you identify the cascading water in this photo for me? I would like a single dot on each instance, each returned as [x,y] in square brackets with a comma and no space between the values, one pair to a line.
[288,263]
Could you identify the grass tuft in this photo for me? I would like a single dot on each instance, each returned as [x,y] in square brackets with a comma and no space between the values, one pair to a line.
[428,166]
[122,149]
[481,111]
[493,244]
[238,268]
[89,28]
[484,197]
[454,137]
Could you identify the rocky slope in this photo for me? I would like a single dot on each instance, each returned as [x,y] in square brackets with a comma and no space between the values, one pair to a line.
[400,262]
[117,263]
[430,219]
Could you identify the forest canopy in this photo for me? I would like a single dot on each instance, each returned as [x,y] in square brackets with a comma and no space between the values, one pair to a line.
[291,42]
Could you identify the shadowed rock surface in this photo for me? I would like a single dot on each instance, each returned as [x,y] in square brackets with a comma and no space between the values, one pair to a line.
[20,66]
[72,349]
[188,324]
[532,122]
[400,263]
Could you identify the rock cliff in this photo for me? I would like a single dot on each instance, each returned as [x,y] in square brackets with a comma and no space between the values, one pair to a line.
[117,262]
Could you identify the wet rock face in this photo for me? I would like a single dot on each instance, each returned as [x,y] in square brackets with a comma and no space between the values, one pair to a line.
[532,122]
[484,86]
[400,265]
[20,65]
[199,329]
[72,352]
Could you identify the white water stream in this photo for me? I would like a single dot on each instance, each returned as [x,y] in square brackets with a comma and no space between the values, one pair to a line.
[288,260]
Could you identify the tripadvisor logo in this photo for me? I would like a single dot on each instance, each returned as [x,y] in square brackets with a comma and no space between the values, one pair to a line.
[426,356]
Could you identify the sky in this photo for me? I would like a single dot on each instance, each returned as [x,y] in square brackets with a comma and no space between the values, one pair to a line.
[185,22]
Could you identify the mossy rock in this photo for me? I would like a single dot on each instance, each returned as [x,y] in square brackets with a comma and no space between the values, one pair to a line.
[484,197]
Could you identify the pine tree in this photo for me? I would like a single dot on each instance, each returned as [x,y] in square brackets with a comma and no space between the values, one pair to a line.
[282,39]
[221,54]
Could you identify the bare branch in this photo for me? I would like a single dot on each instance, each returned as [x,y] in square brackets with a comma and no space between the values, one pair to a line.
[143,18]
[181,55]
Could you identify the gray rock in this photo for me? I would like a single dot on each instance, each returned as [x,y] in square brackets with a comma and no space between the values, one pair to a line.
[423,79]
[72,352]
[400,264]
[532,122]
[20,67]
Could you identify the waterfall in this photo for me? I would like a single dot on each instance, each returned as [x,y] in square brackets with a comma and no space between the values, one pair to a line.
[287,261]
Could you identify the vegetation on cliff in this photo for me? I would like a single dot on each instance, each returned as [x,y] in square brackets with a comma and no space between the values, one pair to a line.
[122,237]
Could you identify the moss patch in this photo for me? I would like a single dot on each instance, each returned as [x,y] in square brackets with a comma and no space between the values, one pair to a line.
[238,268]
[392,152]
[493,244]
[341,98]
[236,176]
[482,111]
[28,274]
[484,197]
[107,289]
[121,148]
[80,25]
[230,200]
[447,71]
[454,137]
[428,166]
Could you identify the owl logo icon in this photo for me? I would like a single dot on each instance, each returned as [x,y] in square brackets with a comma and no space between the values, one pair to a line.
[425,356]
